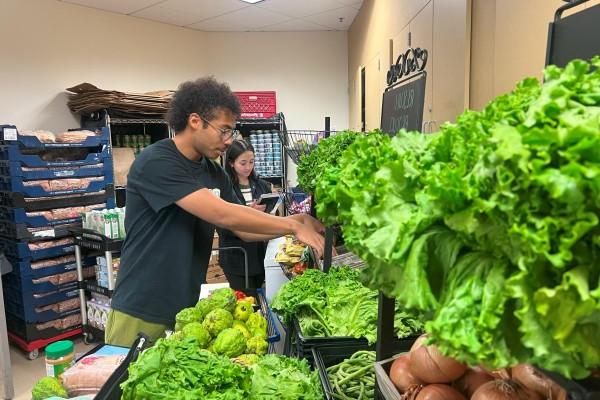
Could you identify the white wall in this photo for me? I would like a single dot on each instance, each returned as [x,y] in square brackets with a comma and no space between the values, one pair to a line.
[47,46]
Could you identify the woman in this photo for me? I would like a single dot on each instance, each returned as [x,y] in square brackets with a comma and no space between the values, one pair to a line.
[239,165]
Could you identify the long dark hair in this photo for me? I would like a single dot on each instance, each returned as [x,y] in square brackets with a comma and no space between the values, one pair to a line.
[235,150]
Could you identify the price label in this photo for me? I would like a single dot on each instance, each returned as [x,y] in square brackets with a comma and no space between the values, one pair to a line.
[10,133]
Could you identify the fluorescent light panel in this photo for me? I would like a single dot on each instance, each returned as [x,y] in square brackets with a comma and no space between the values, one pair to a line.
[252,1]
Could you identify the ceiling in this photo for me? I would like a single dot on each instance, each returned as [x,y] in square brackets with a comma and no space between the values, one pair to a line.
[236,15]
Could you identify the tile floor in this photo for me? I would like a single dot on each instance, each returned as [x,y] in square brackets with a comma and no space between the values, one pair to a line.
[27,372]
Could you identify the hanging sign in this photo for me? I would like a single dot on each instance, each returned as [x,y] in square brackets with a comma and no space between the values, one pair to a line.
[404,98]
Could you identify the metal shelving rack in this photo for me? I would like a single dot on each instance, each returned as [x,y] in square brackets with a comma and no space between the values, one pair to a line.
[277,122]
[157,128]
[94,243]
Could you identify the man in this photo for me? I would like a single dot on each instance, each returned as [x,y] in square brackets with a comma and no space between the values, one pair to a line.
[176,195]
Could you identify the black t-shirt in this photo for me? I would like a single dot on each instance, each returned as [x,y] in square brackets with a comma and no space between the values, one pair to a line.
[166,251]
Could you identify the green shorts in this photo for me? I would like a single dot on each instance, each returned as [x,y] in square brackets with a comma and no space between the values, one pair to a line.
[122,329]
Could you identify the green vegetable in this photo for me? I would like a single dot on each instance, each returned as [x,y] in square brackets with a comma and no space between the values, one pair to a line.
[230,342]
[242,311]
[217,320]
[207,305]
[257,345]
[489,228]
[281,378]
[257,324]
[178,370]
[336,304]
[48,386]
[186,316]
[247,359]
[240,326]
[225,297]
[324,156]
[354,378]
[196,331]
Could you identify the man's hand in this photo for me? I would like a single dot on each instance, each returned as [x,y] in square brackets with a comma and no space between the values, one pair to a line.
[309,236]
[259,207]
[306,219]
[314,224]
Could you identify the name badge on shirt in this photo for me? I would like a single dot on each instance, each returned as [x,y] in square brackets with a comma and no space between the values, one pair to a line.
[216,192]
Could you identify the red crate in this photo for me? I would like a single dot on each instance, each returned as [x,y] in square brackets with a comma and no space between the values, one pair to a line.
[257,104]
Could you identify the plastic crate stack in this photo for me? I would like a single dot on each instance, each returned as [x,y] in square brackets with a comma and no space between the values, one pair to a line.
[267,153]
[46,182]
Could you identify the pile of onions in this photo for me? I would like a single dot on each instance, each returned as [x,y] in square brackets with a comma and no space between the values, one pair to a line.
[428,364]
[531,378]
[426,374]
[504,389]
[472,380]
[401,375]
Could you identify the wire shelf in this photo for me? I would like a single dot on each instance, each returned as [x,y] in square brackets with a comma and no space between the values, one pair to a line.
[300,143]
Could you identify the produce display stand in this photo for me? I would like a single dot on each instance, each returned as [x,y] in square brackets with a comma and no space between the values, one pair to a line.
[575,36]
[93,243]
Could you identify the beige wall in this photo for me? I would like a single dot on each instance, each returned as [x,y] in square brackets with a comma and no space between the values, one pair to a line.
[440,26]
[48,46]
[509,40]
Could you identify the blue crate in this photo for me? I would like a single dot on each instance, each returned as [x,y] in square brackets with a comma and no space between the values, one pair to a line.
[15,169]
[19,216]
[24,268]
[7,137]
[26,285]
[17,296]
[15,153]
[20,250]
[16,184]
[31,314]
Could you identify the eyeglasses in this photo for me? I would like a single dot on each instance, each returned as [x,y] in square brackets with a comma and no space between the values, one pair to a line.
[226,134]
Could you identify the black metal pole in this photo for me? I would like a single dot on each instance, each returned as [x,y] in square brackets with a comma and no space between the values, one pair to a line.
[327,126]
[385,328]
[328,253]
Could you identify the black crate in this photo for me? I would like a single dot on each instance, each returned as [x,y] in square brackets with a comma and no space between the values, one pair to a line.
[30,332]
[325,357]
[18,200]
[9,229]
[304,344]
[92,240]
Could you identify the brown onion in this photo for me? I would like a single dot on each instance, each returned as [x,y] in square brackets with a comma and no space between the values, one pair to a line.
[419,342]
[411,393]
[431,366]
[400,373]
[438,391]
[504,389]
[502,373]
[533,379]
[472,380]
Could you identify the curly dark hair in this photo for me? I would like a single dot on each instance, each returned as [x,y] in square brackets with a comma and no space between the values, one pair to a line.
[204,96]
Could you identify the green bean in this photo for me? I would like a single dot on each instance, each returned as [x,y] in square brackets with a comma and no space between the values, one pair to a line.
[353,378]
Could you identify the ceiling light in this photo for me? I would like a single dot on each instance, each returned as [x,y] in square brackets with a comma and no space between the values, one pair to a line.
[252,1]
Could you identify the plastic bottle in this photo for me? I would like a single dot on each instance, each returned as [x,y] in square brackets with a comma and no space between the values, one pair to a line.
[59,356]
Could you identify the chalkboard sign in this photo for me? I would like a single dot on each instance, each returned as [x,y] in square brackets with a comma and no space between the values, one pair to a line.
[575,36]
[403,107]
